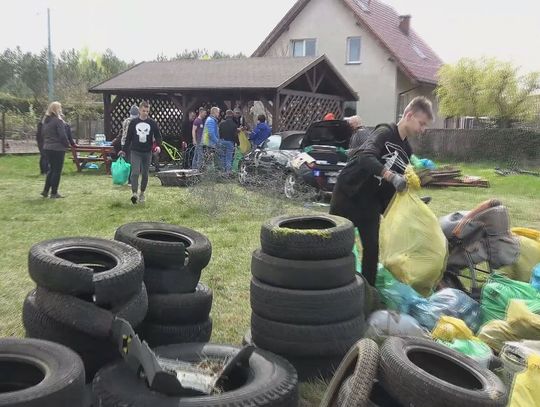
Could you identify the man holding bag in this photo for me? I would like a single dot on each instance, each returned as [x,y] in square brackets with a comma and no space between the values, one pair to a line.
[367,184]
[141,134]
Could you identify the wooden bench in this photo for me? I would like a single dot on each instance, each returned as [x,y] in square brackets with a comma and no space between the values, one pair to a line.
[83,154]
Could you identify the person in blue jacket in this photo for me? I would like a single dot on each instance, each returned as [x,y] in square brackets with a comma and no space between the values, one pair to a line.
[261,132]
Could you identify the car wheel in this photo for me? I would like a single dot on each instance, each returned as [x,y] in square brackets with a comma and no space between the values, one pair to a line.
[290,187]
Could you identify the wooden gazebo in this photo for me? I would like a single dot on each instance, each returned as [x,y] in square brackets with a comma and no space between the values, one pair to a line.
[295,91]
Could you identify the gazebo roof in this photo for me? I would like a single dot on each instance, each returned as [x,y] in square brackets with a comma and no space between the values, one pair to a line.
[250,74]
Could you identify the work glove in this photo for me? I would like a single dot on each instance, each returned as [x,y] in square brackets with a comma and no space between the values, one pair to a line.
[121,154]
[398,181]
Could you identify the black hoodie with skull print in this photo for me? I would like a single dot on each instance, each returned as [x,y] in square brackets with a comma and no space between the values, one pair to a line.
[141,135]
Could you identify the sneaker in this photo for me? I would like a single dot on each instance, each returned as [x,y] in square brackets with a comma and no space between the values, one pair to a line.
[134,198]
[44,194]
[141,197]
[56,196]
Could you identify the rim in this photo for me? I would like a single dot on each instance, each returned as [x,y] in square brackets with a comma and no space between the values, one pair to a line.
[290,186]
[19,375]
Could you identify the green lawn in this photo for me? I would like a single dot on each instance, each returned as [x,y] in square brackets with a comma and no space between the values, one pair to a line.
[228,214]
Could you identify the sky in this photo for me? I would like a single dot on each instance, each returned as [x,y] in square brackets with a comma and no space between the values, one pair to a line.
[139,30]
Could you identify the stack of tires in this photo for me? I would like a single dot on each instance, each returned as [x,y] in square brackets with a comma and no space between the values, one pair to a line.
[82,284]
[306,300]
[178,305]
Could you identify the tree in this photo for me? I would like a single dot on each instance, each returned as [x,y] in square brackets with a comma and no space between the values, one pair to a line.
[198,54]
[486,88]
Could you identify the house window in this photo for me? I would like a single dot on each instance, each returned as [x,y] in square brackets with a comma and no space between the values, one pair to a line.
[303,48]
[353,50]
[419,52]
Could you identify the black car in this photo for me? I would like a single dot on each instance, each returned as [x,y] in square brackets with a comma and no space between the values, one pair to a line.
[300,162]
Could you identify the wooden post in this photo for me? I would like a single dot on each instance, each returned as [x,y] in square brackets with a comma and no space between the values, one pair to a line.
[107,119]
[78,135]
[276,115]
[3,132]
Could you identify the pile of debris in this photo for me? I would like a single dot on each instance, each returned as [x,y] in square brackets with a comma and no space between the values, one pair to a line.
[449,176]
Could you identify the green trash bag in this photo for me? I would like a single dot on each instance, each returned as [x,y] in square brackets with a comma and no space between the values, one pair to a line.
[498,292]
[473,348]
[120,171]
[236,160]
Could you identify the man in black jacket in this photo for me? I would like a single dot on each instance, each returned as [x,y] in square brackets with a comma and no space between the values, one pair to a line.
[367,184]
[228,139]
[141,134]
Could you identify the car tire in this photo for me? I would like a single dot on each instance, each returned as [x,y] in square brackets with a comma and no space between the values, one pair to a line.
[179,280]
[359,367]
[303,274]
[306,340]
[87,317]
[424,373]
[37,373]
[95,352]
[272,381]
[303,307]
[180,308]
[167,246]
[308,368]
[110,270]
[307,237]
[160,334]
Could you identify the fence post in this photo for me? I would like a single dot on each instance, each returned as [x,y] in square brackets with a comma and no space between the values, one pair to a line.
[78,129]
[3,132]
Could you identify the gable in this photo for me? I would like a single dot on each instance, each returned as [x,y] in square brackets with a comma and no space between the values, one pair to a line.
[410,52]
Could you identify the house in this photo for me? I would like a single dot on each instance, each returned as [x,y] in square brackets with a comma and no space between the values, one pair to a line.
[373,47]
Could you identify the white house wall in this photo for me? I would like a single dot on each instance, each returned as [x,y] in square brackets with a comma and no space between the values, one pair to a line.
[331,23]
[405,86]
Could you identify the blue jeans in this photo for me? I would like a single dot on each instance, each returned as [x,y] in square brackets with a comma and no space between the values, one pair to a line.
[226,153]
[196,163]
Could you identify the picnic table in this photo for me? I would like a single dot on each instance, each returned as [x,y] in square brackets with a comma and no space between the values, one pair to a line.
[85,153]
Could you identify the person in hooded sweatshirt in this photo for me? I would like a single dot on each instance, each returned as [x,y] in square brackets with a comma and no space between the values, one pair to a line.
[55,143]
[370,179]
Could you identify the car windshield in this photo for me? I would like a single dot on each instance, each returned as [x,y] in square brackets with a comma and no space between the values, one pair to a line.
[292,142]
[272,143]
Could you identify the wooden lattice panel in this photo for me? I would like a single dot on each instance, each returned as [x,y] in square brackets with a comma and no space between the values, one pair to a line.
[162,110]
[299,111]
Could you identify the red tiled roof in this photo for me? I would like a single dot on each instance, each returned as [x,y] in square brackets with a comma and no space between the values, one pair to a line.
[382,21]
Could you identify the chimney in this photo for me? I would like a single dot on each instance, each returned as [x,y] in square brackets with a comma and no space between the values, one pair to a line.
[405,23]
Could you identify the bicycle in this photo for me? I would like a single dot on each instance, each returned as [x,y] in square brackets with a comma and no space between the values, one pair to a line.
[174,157]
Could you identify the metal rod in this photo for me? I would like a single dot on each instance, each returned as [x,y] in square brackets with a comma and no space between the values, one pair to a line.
[50,62]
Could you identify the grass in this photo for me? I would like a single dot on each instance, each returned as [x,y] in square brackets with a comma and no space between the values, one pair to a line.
[228,214]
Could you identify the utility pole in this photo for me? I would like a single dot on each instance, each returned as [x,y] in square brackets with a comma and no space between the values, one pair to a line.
[50,64]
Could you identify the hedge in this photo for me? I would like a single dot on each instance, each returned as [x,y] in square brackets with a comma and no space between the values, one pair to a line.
[496,145]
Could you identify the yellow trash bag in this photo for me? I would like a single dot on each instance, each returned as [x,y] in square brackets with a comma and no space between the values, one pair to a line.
[413,246]
[526,232]
[520,324]
[245,145]
[529,256]
[526,390]
[450,328]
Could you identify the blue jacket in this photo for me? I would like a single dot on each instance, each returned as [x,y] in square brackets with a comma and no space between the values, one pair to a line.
[210,135]
[261,132]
